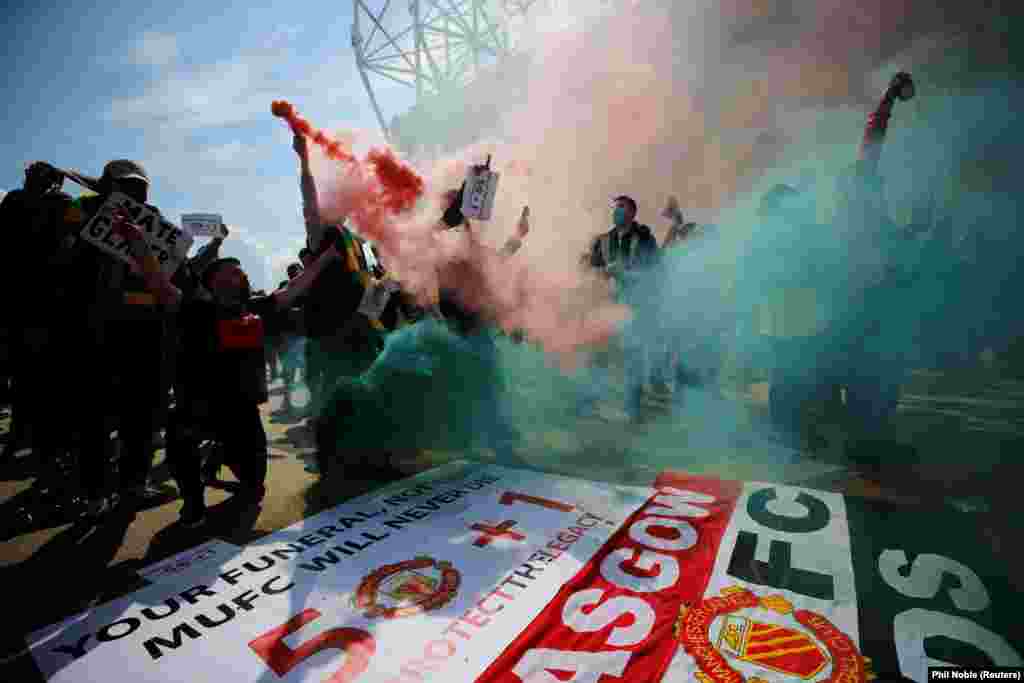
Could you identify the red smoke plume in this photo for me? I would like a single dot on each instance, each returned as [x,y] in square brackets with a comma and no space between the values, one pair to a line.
[399,186]
[379,193]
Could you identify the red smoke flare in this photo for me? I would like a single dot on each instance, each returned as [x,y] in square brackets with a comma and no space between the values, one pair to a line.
[399,185]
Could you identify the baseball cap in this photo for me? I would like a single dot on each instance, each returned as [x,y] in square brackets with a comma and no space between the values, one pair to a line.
[124,169]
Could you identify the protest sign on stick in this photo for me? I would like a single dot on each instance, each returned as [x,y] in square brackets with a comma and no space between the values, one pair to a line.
[481,188]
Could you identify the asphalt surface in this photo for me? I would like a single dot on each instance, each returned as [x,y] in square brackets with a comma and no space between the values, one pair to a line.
[955,443]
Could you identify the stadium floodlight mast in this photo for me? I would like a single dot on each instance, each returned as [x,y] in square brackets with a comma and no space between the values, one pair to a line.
[432,46]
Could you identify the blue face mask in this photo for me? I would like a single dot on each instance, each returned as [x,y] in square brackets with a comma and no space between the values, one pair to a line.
[619,216]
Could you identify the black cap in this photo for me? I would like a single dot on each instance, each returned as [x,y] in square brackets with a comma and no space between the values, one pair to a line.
[125,169]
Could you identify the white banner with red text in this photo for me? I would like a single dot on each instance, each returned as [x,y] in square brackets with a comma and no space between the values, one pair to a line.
[472,572]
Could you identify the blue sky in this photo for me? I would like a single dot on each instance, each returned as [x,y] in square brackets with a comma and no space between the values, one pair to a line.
[186,88]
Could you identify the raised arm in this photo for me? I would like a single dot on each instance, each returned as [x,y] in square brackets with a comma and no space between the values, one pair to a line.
[208,253]
[514,243]
[310,200]
[286,296]
[900,87]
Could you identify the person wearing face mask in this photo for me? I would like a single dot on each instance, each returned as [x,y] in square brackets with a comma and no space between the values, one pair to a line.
[626,255]
[223,379]
[118,327]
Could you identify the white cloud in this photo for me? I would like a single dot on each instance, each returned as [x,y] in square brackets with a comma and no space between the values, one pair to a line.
[230,156]
[189,118]
[155,49]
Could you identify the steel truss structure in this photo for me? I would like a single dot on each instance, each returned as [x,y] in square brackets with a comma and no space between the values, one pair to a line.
[434,47]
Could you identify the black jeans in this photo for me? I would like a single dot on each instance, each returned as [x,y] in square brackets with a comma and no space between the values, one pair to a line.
[121,384]
[237,426]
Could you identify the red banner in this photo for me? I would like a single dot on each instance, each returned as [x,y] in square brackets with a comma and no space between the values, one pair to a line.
[616,616]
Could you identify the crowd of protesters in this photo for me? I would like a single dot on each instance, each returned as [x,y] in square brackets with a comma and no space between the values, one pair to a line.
[104,345]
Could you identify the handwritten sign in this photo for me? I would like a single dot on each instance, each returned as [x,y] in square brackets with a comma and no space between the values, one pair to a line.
[481,188]
[203,224]
[169,243]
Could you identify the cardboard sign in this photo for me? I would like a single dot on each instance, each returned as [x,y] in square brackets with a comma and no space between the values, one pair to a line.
[481,188]
[203,224]
[482,573]
[169,243]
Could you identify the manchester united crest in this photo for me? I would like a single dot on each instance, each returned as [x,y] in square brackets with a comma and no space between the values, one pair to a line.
[407,588]
[742,638]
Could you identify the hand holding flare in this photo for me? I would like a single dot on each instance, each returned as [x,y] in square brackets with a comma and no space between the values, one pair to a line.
[399,185]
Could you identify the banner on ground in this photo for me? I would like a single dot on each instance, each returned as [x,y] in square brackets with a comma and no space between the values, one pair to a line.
[203,224]
[483,573]
[188,563]
[169,243]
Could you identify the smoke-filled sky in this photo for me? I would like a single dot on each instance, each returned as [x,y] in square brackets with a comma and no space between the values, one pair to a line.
[647,97]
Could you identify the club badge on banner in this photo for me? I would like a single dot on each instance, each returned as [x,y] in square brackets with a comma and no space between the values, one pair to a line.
[169,244]
[482,573]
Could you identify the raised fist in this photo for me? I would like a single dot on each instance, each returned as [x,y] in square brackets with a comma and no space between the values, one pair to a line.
[901,86]
[524,223]
[672,210]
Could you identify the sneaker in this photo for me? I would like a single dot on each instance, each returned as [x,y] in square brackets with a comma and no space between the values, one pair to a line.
[192,515]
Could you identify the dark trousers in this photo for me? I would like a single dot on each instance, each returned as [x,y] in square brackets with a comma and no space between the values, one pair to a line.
[237,426]
[120,381]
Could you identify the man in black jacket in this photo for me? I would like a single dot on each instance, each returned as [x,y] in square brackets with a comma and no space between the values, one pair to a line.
[118,324]
[30,219]
[626,255]
[223,379]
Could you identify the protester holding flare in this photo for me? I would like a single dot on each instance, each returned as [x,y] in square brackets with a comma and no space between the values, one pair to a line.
[341,341]
[436,385]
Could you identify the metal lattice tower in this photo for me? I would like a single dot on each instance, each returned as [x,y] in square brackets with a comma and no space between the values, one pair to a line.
[433,47]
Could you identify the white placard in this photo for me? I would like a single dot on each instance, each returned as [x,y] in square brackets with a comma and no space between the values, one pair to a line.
[371,258]
[169,243]
[481,188]
[203,224]
[376,297]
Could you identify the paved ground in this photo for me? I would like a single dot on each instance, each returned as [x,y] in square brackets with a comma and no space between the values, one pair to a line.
[953,444]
